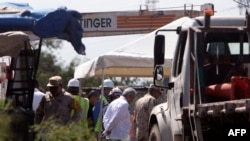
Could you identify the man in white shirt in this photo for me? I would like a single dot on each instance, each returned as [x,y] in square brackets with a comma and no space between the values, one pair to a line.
[37,97]
[116,119]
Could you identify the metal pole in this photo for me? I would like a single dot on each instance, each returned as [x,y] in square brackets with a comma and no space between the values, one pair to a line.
[79,99]
[101,107]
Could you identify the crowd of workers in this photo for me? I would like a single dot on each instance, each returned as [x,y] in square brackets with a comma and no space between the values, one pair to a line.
[110,117]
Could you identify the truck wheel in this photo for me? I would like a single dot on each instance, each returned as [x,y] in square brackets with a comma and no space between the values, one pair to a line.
[155,133]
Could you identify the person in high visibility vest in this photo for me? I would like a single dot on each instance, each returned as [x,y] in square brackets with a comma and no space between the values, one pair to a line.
[73,88]
[108,85]
[96,101]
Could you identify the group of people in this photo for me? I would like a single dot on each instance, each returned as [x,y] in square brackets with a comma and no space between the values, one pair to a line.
[110,112]
[62,106]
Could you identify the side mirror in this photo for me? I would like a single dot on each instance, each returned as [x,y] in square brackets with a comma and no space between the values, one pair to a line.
[159,79]
[159,76]
[159,50]
[158,73]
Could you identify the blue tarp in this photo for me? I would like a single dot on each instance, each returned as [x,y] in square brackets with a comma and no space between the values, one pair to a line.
[61,23]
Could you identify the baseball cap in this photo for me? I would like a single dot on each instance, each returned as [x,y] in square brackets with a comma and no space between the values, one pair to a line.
[116,91]
[54,81]
[93,93]
[152,86]
[73,83]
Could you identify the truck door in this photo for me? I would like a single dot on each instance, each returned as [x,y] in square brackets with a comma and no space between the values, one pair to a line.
[178,78]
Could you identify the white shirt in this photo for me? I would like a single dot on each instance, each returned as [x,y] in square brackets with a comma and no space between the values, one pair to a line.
[38,95]
[117,119]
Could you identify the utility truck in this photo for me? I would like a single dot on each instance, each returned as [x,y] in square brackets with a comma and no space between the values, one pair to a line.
[208,87]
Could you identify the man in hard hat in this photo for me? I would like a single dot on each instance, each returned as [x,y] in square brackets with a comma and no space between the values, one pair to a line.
[108,85]
[73,87]
[104,100]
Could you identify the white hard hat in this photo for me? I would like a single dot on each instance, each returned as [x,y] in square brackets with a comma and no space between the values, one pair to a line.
[73,83]
[108,83]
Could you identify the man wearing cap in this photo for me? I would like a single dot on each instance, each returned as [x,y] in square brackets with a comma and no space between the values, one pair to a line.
[58,104]
[108,85]
[143,107]
[73,87]
[116,119]
[115,93]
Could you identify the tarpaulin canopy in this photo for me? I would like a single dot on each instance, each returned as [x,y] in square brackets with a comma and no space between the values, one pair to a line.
[134,59]
[10,48]
[59,23]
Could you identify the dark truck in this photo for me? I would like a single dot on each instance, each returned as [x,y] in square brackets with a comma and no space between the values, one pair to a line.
[208,95]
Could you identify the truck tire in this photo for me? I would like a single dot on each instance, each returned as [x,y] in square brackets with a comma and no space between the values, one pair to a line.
[155,133]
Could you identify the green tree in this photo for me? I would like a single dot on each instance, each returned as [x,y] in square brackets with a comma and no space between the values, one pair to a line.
[47,67]
[54,132]
[91,82]
[50,44]
[68,71]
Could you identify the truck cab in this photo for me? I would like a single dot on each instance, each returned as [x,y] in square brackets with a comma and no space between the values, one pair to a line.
[209,84]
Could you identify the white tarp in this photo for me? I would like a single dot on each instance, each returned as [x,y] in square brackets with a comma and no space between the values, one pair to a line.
[134,59]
